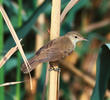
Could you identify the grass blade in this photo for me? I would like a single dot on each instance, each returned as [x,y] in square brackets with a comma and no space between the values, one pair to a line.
[18,75]
[1,49]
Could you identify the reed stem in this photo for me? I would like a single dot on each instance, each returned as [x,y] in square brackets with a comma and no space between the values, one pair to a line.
[1,49]
[18,76]
[54,33]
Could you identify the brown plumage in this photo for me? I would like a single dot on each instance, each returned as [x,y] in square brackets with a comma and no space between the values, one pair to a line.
[54,50]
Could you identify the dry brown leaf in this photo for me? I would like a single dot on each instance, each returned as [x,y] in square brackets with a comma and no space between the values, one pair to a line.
[67,9]
[17,41]
[97,25]
[8,55]
[10,83]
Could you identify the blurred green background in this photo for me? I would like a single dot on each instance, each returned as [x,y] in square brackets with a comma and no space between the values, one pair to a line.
[90,17]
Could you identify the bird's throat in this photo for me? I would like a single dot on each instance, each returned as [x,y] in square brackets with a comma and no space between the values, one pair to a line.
[73,41]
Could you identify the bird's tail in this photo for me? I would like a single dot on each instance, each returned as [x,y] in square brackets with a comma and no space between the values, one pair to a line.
[33,63]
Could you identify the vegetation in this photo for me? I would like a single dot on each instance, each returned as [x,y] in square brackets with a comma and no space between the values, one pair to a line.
[89,63]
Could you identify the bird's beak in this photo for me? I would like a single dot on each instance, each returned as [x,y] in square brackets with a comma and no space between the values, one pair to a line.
[83,39]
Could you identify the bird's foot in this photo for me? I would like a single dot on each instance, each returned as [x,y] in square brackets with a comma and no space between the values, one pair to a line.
[55,69]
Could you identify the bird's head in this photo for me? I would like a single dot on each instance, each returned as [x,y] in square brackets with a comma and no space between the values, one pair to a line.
[75,37]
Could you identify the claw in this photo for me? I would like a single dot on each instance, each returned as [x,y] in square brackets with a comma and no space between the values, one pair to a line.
[54,69]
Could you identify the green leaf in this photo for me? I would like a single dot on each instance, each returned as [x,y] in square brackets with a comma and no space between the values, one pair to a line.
[68,22]
[108,45]
[102,73]
[12,63]
[27,25]
[71,15]
[104,7]
[10,6]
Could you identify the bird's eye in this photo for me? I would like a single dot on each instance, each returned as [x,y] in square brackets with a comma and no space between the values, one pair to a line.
[76,37]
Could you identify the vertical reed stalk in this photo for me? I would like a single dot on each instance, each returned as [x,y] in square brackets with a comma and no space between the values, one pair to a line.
[39,38]
[1,49]
[55,30]
[18,76]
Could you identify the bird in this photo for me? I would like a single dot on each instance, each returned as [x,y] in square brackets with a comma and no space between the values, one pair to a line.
[54,51]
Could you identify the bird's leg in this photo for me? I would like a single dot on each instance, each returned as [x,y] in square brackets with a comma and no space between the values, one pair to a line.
[55,69]
[52,67]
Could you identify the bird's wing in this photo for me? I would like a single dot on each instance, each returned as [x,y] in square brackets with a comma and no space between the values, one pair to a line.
[49,52]
[54,50]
